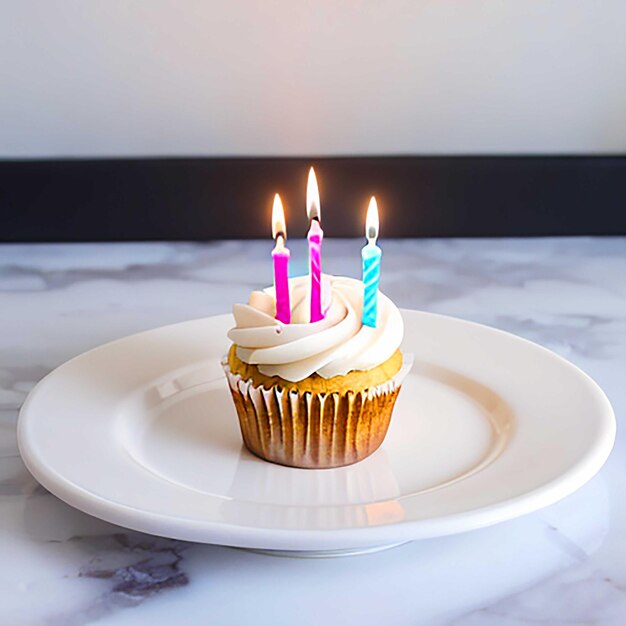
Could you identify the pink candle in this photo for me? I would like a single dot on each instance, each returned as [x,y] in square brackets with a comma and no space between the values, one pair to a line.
[315,236]
[280,258]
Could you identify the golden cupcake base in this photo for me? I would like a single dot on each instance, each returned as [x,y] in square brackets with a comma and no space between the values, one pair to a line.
[311,430]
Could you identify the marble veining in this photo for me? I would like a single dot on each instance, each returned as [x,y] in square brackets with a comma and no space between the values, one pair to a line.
[563,565]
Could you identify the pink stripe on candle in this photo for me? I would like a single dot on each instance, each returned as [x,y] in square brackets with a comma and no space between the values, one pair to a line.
[315,236]
[281,285]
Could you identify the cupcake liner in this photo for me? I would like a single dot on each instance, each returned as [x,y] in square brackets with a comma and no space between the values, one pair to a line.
[313,430]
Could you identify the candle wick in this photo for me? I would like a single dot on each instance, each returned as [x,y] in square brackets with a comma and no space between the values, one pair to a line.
[280,242]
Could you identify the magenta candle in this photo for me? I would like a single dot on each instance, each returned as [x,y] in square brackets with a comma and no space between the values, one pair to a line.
[315,236]
[280,258]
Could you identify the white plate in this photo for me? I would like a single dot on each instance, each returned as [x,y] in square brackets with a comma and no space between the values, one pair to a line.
[142,432]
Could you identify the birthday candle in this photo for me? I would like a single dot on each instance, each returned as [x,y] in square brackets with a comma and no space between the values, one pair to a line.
[371,255]
[315,236]
[280,258]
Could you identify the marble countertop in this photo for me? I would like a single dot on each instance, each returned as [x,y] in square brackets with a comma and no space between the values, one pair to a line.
[563,565]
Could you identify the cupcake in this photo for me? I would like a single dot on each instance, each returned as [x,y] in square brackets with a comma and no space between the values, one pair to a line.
[314,395]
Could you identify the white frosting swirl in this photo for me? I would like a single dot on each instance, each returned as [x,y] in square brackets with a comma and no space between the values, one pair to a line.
[334,346]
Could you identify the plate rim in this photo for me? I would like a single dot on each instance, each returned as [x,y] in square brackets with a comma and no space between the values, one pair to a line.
[190,529]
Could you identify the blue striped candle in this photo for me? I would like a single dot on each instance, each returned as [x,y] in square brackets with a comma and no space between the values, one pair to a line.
[371,255]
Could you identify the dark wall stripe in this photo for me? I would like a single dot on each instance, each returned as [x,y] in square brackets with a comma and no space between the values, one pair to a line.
[198,199]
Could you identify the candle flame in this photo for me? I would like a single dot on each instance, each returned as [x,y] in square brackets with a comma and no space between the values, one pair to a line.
[371,221]
[278,219]
[312,197]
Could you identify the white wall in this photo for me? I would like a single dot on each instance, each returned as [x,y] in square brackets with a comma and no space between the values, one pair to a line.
[289,77]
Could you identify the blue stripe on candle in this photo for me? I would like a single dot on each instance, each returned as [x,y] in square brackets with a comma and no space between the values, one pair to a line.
[371,255]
